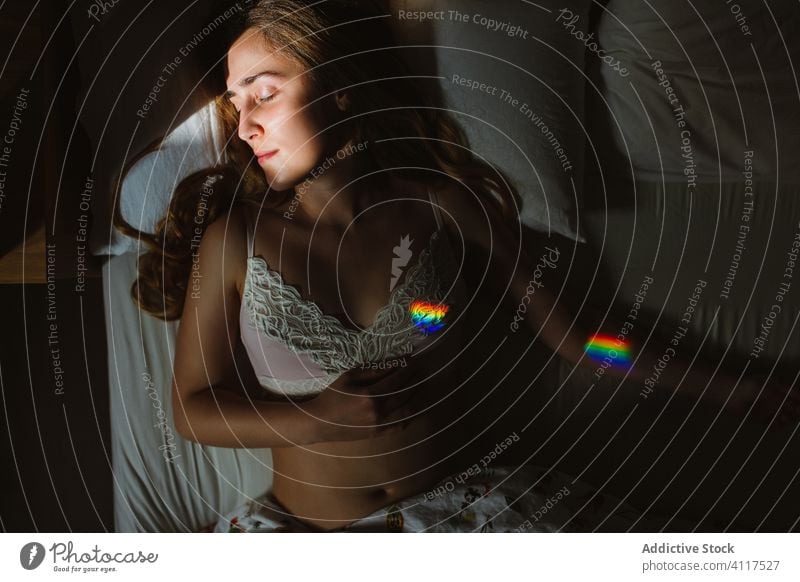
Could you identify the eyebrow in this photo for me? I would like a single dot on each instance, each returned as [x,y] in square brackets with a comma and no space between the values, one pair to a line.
[249,80]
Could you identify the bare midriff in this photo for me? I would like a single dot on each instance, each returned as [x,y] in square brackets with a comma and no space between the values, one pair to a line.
[329,485]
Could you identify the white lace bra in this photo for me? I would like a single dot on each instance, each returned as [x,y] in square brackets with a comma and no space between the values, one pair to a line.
[297,350]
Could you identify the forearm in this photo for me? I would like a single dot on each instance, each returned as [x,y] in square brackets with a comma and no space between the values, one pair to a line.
[223,419]
[657,367]
[661,366]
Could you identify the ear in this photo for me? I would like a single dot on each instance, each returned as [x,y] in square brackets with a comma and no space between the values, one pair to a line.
[342,101]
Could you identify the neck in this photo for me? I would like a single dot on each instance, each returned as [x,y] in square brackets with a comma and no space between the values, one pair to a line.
[333,192]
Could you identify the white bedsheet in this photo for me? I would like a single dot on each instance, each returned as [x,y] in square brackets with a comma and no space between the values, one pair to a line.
[162,482]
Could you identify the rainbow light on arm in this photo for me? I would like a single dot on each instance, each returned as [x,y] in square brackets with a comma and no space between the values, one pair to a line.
[606,347]
[427,316]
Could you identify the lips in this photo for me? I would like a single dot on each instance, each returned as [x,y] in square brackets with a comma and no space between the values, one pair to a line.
[265,155]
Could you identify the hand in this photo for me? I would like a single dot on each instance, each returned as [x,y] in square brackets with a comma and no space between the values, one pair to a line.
[366,402]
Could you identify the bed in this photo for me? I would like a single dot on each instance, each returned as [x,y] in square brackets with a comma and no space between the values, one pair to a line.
[623,210]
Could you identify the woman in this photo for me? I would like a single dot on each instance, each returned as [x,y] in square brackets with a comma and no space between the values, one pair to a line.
[342,182]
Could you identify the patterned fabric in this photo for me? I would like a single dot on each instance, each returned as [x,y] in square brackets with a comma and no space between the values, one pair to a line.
[495,499]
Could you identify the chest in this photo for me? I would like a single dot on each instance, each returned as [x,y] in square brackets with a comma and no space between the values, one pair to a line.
[344,313]
[352,275]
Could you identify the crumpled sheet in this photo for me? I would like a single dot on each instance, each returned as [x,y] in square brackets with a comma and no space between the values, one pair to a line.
[504,498]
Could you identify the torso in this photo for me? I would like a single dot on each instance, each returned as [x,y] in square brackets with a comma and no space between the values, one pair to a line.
[331,484]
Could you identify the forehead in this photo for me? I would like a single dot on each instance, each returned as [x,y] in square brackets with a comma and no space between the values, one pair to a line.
[251,54]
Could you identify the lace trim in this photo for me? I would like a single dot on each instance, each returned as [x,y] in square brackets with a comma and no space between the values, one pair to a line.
[279,312]
[302,387]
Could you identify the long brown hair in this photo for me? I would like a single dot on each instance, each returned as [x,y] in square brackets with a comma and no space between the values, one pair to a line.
[346,45]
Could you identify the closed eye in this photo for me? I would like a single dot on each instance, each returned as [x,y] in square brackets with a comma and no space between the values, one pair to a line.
[260,100]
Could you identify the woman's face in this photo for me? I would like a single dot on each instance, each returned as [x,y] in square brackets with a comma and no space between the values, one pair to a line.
[276,119]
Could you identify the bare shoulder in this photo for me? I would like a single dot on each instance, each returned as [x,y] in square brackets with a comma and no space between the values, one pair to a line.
[453,196]
[470,211]
[224,246]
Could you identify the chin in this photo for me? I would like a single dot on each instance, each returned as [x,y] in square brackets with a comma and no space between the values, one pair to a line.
[286,179]
[279,181]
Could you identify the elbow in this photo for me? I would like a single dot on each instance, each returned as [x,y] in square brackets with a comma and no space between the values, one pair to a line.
[183,425]
[182,417]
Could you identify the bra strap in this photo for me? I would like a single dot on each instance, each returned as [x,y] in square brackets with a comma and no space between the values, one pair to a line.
[248,221]
[435,205]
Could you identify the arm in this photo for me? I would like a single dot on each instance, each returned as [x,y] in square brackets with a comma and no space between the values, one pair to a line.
[488,236]
[660,369]
[536,306]
[205,408]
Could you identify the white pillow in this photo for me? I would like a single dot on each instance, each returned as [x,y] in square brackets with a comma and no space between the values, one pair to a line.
[146,190]
[524,49]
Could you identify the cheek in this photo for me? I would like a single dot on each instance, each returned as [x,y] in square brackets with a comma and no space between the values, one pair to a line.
[302,135]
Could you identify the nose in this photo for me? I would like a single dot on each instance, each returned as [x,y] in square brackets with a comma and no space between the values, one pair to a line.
[250,128]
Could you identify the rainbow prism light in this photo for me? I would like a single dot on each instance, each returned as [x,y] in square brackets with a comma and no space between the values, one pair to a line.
[427,316]
[608,348]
